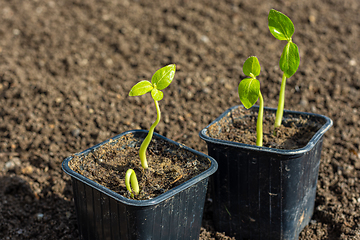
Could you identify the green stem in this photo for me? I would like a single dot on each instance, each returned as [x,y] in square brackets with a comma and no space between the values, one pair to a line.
[280,109]
[147,140]
[259,123]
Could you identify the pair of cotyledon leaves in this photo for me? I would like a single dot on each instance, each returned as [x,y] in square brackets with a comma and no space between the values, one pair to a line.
[281,28]
[249,88]
[160,80]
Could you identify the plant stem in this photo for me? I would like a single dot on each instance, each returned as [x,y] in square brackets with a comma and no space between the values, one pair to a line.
[147,140]
[259,123]
[280,109]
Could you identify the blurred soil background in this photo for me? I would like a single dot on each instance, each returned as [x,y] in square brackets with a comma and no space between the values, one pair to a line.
[66,67]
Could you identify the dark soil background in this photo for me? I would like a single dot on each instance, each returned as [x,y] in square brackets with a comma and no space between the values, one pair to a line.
[66,67]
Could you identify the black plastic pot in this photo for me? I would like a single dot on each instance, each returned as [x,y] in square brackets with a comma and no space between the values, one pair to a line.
[104,214]
[260,192]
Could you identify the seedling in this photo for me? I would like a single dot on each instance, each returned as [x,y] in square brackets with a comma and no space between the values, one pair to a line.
[160,80]
[131,183]
[282,28]
[249,93]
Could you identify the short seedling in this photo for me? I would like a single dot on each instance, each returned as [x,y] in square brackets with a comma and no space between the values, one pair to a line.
[131,182]
[159,81]
[249,93]
[282,28]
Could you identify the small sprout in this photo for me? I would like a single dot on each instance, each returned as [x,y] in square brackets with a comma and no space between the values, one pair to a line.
[282,28]
[249,93]
[131,183]
[159,81]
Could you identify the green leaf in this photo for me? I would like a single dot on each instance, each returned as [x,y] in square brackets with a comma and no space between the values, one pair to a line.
[251,66]
[280,26]
[290,59]
[163,77]
[141,88]
[249,90]
[157,95]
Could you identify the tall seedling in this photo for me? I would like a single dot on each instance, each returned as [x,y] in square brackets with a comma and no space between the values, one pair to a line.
[159,81]
[249,93]
[282,28]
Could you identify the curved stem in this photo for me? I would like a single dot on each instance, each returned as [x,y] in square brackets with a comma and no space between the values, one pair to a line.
[259,123]
[147,140]
[131,182]
[280,109]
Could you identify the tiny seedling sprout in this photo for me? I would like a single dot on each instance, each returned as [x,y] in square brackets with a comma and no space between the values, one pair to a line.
[282,28]
[160,80]
[249,93]
[131,182]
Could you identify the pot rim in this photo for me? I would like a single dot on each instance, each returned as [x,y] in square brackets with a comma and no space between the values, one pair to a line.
[141,203]
[317,136]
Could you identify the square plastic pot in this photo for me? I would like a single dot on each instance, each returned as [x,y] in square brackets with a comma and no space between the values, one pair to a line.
[260,192]
[175,214]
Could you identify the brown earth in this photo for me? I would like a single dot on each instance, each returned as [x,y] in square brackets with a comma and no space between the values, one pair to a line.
[240,125]
[67,66]
[168,166]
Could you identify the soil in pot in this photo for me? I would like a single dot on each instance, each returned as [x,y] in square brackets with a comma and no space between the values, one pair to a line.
[294,133]
[169,166]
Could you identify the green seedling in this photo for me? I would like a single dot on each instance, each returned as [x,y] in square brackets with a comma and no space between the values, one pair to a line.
[249,93]
[282,28]
[131,183]
[160,80]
